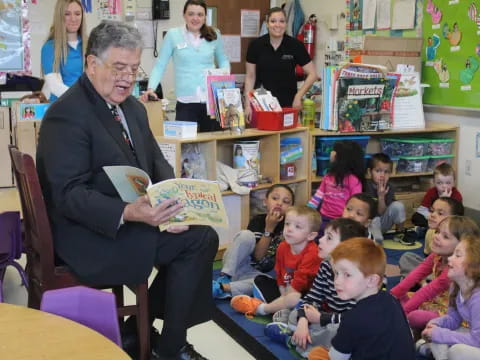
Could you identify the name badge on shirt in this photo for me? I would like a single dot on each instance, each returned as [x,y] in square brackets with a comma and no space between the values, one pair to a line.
[181,46]
[287,57]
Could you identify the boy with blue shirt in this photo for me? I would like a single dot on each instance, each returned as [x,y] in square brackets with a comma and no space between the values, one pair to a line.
[376,328]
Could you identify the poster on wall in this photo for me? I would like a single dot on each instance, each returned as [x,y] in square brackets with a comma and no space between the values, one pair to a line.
[451,53]
[15,37]
[109,10]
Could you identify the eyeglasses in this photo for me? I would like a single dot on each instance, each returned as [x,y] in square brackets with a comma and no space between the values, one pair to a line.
[120,74]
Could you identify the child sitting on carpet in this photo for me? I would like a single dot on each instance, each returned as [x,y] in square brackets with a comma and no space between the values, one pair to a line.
[319,313]
[390,212]
[296,264]
[344,178]
[446,337]
[376,328]
[430,301]
[362,208]
[444,180]
[252,251]
[441,208]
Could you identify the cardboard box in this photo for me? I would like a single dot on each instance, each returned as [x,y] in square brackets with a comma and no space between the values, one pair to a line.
[390,51]
[156,116]
[6,174]
[180,129]
[26,133]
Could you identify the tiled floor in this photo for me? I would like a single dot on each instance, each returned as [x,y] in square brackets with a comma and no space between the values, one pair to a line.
[209,339]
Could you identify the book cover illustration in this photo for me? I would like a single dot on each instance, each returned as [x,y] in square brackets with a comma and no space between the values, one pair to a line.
[225,81]
[215,87]
[202,200]
[211,75]
[364,99]
[231,108]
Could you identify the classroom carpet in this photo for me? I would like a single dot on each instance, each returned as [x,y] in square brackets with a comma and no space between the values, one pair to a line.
[249,332]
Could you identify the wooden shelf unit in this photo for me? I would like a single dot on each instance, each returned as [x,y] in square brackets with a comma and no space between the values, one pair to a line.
[432,130]
[218,146]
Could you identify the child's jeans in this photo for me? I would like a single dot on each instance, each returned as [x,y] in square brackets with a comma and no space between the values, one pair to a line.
[237,263]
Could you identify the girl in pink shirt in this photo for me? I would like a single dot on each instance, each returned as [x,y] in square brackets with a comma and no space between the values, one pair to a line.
[431,300]
[344,178]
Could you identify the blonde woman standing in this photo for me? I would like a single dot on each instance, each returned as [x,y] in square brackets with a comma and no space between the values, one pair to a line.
[62,53]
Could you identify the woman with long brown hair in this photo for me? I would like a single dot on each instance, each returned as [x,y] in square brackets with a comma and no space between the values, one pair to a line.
[194,48]
[62,53]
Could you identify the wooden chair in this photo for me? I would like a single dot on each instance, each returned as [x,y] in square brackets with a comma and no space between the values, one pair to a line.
[42,272]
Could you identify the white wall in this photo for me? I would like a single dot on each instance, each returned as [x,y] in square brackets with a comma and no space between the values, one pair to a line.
[469,124]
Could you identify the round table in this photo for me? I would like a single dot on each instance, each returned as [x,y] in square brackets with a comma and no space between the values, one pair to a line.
[32,334]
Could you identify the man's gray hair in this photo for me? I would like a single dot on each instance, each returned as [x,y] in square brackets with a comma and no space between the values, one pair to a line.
[112,34]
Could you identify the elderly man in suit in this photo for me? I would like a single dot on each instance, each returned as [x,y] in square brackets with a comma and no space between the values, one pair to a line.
[101,238]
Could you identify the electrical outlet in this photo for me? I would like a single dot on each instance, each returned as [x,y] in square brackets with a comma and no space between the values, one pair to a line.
[468,167]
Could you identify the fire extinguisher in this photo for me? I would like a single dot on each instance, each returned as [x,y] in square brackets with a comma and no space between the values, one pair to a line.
[307,35]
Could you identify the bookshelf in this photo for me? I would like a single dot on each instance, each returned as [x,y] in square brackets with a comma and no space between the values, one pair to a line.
[418,181]
[218,146]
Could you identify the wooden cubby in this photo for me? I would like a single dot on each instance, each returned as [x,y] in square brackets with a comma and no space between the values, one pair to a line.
[218,146]
[411,199]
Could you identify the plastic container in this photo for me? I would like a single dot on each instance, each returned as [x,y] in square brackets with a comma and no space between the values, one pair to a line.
[436,160]
[394,164]
[323,164]
[440,146]
[324,144]
[404,147]
[412,164]
[276,120]
[290,149]
[288,171]
[308,113]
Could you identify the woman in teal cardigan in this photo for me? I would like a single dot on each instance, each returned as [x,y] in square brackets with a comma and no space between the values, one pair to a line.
[194,48]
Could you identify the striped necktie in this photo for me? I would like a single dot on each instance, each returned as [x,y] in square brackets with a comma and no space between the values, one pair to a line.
[118,119]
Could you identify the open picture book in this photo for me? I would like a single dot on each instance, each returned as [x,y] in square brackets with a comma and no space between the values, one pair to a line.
[202,200]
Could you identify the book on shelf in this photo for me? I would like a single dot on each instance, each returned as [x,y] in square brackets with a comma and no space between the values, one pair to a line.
[210,74]
[230,108]
[220,81]
[215,86]
[363,98]
[202,200]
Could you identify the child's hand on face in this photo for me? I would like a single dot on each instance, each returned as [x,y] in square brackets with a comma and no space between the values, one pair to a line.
[382,189]
[446,193]
[301,336]
[312,314]
[273,218]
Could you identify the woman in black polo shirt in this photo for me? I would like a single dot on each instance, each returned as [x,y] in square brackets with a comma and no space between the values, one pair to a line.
[271,61]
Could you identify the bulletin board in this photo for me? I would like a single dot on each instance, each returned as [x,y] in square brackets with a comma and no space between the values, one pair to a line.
[355,29]
[228,21]
[451,53]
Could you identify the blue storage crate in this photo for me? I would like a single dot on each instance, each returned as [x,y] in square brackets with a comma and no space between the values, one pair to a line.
[324,144]
[323,164]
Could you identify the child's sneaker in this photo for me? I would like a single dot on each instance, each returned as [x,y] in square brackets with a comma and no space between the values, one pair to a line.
[407,237]
[223,279]
[245,304]
[281,316]
[257,293]
[217,291]
[423,348]
[278,332]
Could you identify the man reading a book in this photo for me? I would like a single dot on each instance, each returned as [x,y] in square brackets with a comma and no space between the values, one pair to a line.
[102,239]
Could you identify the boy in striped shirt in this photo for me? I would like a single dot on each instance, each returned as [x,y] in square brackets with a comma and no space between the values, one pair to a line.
[319,313]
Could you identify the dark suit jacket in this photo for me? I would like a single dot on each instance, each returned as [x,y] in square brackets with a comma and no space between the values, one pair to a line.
[77,138]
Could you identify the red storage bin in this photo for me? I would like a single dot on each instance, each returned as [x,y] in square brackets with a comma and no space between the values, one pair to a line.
[276,120]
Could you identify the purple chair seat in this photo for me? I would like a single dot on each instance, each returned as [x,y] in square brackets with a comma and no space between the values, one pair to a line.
[11,243]
[93,308]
